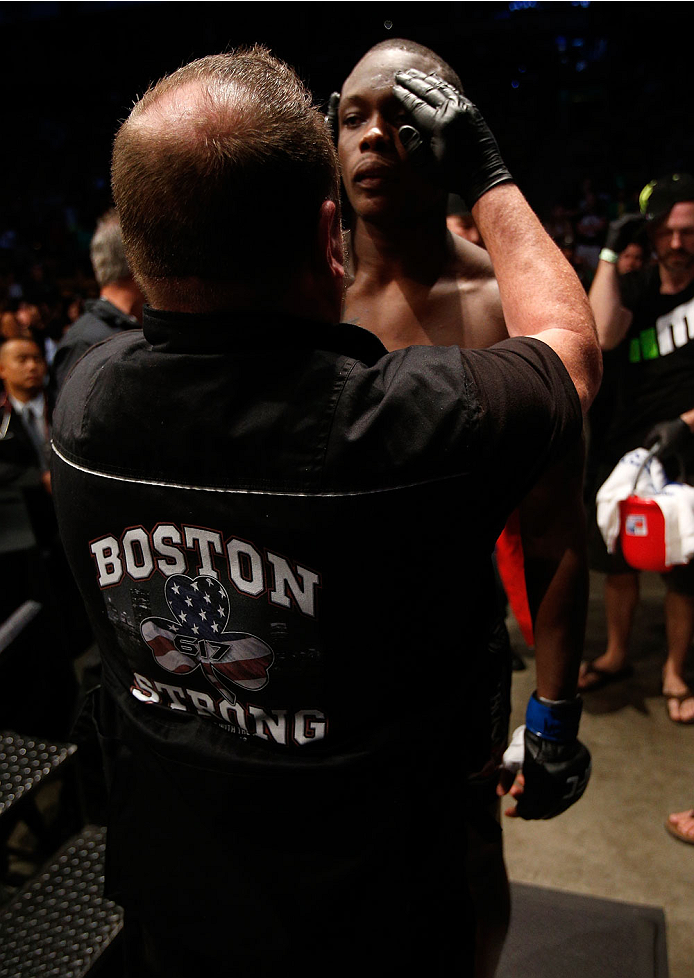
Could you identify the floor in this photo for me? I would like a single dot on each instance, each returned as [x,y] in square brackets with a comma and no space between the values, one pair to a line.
[613,843]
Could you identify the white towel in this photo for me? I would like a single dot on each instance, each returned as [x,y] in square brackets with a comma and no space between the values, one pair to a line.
[676,502]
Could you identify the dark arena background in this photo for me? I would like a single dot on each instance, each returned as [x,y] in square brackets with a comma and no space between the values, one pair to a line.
[579,95]
[589,101]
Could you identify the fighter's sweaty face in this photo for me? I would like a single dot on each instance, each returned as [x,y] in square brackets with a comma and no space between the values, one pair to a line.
[374,162]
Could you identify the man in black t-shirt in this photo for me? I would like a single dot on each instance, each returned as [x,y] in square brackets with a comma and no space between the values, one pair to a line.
[649,315]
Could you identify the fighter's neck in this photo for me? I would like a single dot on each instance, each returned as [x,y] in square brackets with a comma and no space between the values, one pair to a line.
[390,252]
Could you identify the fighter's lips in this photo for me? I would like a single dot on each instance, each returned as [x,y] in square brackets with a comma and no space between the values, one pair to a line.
[372,174]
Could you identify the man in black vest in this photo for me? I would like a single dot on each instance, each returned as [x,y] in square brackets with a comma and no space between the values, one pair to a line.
[262,508]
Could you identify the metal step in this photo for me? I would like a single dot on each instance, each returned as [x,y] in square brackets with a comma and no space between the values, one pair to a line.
[25,762]
[59,924]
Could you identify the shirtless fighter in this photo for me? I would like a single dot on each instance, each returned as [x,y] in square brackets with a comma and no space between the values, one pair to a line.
[414,283]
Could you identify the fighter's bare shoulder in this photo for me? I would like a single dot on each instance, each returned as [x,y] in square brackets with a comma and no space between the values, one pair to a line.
[473,274]
[461,308]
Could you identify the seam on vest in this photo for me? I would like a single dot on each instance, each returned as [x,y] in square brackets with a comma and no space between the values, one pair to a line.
[250,492]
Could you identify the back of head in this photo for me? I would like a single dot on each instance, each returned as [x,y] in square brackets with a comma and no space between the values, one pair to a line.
[219,174]
[107,251]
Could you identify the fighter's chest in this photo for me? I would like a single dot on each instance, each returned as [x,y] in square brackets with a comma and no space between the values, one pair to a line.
[406,316]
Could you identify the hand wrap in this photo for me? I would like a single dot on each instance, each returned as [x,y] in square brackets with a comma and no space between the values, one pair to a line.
[465,153]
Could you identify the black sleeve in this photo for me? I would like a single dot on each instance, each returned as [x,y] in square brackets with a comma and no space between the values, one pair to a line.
[530,413]
[65,359]
[496,416]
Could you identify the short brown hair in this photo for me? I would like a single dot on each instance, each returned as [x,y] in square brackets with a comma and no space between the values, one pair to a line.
[227,189]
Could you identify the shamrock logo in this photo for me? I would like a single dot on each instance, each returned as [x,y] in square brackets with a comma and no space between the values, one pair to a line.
[195,637]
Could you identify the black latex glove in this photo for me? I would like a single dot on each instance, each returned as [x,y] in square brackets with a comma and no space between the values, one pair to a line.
[622,232]
[331,115]
[465,152]
[556,775]
[671,437]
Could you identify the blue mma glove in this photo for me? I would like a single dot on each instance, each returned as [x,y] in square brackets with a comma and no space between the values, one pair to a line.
[556,765]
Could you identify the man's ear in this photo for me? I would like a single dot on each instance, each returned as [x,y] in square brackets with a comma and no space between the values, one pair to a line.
[331,251]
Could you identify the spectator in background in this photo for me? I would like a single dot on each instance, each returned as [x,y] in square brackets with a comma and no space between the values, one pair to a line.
[643,317]
[590,227]
[559,226]
[626,236]
[632,258]
[577,262]
[26,511]
[32,562]
[26,413]
[28,315]
[9,324]
[118,308]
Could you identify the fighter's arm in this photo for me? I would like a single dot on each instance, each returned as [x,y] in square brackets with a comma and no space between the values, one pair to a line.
[553,534]
[546,770]
[541,297]
[553,530]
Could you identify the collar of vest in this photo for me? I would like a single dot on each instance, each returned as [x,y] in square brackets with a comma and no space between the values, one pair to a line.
[245,331]
[110,314]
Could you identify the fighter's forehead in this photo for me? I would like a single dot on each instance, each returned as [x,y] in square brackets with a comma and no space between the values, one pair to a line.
[376,71]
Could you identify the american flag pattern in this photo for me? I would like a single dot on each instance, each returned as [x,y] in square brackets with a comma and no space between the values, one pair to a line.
[195,637]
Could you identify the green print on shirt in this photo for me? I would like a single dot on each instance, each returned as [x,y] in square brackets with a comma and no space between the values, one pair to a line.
[644,346]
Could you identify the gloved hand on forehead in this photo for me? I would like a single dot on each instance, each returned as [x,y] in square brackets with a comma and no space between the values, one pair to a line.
[465,153]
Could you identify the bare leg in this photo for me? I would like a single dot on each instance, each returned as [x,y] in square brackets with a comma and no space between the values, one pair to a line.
[679,626]
[621,600]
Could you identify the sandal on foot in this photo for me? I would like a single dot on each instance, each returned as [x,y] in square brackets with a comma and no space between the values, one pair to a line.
[593,677]
[677,833]
[680,697]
